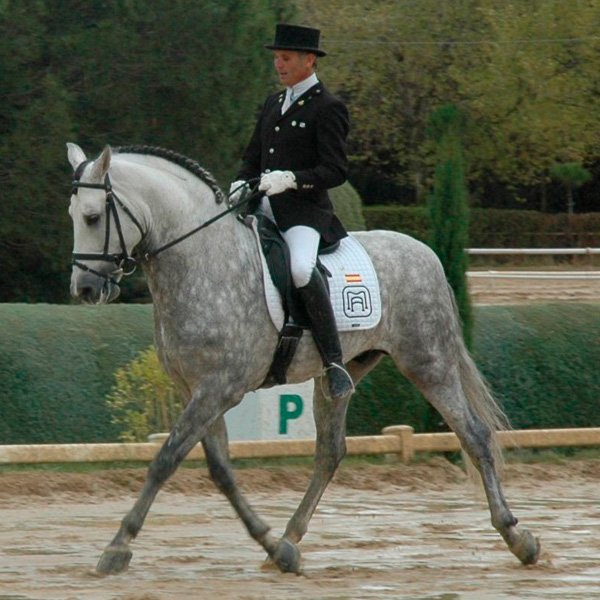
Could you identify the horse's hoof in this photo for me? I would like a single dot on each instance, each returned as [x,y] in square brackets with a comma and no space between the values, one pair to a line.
[528,549]
[287,557]
[115,559]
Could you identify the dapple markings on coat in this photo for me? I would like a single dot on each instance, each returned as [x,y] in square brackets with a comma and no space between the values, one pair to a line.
[215,339]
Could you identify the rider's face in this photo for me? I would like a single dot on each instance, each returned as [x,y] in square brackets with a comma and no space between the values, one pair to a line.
[293,67]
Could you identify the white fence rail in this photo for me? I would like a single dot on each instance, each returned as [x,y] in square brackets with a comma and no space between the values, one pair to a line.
[557,275]
[532,251]
[579,275]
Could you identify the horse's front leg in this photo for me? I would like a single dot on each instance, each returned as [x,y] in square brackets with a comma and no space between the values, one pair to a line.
[285,554]
[189,429]
[330,421]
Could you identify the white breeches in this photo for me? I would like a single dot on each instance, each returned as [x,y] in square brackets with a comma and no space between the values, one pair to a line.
[303,243]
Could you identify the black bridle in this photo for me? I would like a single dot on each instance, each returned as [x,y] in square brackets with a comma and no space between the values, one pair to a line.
[125,262]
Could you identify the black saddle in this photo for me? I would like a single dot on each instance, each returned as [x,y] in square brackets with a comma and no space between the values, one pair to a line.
[277,256]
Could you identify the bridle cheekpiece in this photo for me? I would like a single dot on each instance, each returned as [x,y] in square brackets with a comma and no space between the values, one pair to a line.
[124,262]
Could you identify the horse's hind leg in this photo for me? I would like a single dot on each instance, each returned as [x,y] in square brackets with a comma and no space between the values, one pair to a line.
[478,440]
[330,420]
[285,554]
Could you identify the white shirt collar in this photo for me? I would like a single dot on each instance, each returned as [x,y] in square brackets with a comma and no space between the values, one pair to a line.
[303,86]
[299,88]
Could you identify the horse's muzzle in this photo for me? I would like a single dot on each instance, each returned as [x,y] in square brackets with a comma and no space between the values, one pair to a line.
[92,289]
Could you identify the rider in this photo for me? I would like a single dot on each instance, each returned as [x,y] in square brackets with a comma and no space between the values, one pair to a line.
[298,149]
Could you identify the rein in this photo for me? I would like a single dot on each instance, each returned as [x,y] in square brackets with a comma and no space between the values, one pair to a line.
[125,263]
[246,197]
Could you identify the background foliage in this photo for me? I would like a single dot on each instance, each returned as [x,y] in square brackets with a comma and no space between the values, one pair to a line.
[143,400]
[496,228]
[58,366]
[191,74]
[523,71]
[187,75]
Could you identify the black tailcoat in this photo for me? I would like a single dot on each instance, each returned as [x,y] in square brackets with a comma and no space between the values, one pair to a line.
[309,139]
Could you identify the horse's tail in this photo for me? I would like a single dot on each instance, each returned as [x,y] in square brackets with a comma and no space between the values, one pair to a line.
[480,397]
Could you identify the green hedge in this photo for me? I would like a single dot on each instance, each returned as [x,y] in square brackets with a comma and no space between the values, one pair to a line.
[57,365]
[348,207]
[541,361]
[494,228]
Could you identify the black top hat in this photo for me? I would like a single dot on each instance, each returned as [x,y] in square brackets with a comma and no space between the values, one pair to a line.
[295,37]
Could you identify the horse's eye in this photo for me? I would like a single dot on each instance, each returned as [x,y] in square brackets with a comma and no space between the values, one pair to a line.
[91,219]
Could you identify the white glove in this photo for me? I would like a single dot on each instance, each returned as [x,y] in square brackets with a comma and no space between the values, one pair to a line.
[276,182]
[236,189]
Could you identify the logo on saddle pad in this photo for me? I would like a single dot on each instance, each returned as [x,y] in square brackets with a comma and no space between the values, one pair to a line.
[357,301]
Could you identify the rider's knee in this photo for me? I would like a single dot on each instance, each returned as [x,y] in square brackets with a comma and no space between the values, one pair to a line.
[301,273]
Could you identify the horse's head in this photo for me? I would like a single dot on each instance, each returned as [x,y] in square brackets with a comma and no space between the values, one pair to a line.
[105,231]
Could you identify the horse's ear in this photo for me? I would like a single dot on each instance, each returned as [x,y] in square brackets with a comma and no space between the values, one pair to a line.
[101,164]
[75,154]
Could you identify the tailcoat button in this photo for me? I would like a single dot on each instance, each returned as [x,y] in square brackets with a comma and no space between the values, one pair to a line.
[271,150]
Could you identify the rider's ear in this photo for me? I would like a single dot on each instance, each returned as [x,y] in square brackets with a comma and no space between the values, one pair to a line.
[75,155]
[101,164]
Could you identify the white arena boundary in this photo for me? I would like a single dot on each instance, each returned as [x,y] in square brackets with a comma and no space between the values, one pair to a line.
[397,440]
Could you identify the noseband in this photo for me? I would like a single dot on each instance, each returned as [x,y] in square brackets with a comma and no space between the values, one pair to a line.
[123,261]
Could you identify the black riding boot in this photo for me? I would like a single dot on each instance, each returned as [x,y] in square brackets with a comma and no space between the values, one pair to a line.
[320,313]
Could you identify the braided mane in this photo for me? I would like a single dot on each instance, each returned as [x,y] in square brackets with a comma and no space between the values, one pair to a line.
[179,159]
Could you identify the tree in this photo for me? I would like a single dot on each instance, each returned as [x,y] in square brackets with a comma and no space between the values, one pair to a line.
[572,175]
[525,72]
[448,207]
[449,215]
[183,74]
[35,122]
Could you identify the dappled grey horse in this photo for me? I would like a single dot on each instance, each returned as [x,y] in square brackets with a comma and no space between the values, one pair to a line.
[215,338]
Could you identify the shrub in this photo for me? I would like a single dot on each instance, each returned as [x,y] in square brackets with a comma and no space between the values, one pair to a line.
[496,228]
[57,365]
[143,399]
[540,361]
[348,207]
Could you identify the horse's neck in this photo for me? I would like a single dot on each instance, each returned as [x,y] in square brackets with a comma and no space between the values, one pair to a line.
[194,266]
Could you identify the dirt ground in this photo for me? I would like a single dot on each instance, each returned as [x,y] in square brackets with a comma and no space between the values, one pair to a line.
[417,532]
[381,531]
[514,291]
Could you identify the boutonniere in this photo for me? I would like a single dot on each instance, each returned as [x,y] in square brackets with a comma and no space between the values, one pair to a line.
[300,102]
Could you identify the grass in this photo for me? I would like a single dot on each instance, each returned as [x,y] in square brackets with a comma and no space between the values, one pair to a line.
[551,455]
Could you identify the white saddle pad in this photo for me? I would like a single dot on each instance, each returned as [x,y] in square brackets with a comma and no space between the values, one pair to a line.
[353,286]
